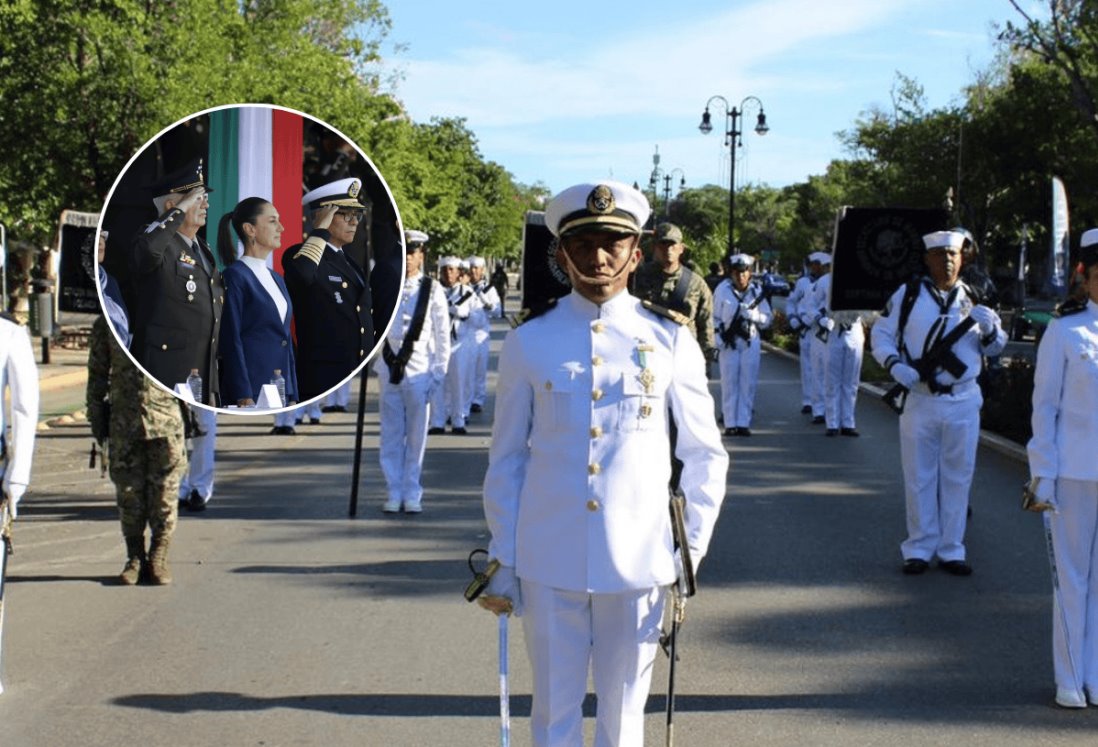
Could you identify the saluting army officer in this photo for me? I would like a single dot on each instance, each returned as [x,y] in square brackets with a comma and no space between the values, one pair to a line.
[329,291]
[940,425]
[575,498]
[178,291]
[1061,457]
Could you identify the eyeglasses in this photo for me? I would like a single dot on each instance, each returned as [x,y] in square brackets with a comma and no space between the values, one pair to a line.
[351,216]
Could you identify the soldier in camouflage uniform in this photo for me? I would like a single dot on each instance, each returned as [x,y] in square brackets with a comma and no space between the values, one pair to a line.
[666,282]
[144,425]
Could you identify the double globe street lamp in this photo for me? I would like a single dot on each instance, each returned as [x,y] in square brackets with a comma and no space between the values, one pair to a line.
[732,139]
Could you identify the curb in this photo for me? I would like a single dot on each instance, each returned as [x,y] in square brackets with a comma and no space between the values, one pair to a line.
[993,441]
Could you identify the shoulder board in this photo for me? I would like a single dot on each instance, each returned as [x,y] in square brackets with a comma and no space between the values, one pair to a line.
[1069,307]
[534,312]
[675,316]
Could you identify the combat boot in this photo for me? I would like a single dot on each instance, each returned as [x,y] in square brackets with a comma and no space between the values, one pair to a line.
[159,575]
[134,569]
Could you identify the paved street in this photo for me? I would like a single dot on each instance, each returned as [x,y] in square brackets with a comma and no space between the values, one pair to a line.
[291,624]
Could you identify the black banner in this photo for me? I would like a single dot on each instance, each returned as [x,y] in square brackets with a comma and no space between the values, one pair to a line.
[75,276]
[542,278]
[875,251]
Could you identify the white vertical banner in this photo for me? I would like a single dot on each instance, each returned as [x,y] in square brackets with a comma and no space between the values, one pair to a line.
[1058,254]
[256,175]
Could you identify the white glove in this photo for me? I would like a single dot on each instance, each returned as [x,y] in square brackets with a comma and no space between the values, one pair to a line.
[1046,492]
[905,375]
[986,319]
[752,315]
[504,584]
[436,382]
[827,323]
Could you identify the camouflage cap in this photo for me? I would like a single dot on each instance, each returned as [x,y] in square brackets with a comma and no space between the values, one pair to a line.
[668,232]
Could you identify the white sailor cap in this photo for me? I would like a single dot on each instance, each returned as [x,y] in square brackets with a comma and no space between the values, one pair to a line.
[475,261]
[741,260]
[1089,238]
[966,235]
[823,258]
[449,262]
[343,193]
[599,206]
[944,240]
[1088,243]
[414,239]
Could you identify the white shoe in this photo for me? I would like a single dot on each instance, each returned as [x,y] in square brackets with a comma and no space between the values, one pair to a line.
[413,508]
[391,507]
[1069,697]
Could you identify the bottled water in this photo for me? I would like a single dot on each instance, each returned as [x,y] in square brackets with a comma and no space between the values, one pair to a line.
[194,381]
[280,382]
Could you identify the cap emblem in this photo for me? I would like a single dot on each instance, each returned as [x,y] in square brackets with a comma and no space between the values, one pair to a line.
[601,200]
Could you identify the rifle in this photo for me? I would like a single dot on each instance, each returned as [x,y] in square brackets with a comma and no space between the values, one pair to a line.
[941,355]
[738,326]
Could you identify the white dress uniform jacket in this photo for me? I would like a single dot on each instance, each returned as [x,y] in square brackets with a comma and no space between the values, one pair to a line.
[1065,431]
[19,374]
[576,490]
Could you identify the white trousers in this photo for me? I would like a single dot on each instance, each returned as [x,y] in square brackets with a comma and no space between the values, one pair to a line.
[403,409]
[340,396]
[450,399]
[938,440]
[806,369]
[299,413]
[479,390]
[818,355]
[200,467]
[739,377]
[844,371]
[1075,543]
[616,635]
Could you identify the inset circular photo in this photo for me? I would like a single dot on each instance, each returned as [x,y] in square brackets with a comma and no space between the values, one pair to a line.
[254,258]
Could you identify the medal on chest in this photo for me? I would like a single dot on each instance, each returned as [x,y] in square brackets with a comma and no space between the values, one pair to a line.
[645,376]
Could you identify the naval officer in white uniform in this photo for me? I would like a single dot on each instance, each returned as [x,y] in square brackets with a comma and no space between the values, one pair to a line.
[576,491]
[940,426]
[1061,456]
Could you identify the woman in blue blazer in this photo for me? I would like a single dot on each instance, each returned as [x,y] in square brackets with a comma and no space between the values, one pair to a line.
[255,324]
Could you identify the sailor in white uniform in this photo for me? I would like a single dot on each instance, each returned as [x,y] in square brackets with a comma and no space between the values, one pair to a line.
[940,425]
[576,491]
[19,376]
[740,310]
[814,314]
[793,304]
[450,401]
[1061,456]
[488,309]
[415,353]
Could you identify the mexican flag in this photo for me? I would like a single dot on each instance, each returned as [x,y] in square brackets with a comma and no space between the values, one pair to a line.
[257,151]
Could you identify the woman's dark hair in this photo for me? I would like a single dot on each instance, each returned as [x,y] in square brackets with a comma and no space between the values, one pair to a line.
[246,211]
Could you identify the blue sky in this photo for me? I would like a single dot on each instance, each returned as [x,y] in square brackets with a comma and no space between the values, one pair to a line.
[570,91]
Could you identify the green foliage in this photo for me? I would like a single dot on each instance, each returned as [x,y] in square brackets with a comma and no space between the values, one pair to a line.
[1008,401]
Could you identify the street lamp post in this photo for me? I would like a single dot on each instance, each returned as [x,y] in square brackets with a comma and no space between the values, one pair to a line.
[667,188]
[733,140]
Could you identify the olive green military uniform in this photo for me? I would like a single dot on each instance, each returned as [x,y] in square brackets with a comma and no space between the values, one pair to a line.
[147,453]
[652,284]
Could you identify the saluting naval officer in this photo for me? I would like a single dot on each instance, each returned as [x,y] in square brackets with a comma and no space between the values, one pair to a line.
[740,310]
[329,291]
[1061,457]
[412,366]
[940,424]
[576,490]
[177,289]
